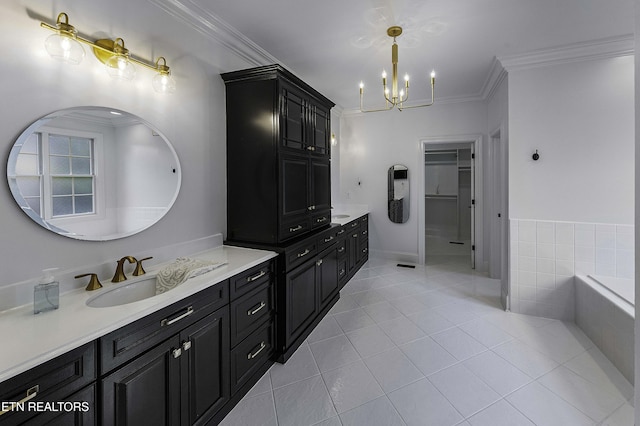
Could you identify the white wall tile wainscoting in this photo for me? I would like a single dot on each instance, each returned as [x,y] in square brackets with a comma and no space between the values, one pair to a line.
[545,256]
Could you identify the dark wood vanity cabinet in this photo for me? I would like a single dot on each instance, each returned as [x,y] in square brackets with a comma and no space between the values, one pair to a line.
[278,150]
[47,392]
[192,361]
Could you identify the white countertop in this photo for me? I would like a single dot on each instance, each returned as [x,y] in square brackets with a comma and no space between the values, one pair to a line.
[29,340]
[351,213]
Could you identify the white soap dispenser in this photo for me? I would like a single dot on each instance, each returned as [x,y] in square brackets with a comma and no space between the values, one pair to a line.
[46,294]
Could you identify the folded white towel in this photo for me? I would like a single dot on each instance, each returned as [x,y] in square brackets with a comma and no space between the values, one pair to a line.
[181,270]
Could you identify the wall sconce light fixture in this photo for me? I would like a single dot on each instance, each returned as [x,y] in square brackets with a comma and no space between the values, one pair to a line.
[65,45]
[334,141]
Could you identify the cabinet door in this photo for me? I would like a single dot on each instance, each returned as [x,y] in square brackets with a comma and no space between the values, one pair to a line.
[301,300]
[320,192]
[320,131]
[146,391]
[85,416]
[353,239]
[294,200]
[293,129]
[327,276]
[205,366]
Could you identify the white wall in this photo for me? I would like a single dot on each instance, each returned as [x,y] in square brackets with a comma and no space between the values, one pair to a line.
[637,210]
[371,143]
[193,119]
[580,118]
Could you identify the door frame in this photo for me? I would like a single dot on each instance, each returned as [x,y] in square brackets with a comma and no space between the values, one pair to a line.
[498,159]
[476,142]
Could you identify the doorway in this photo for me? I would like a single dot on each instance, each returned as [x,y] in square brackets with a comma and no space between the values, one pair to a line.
[499,249]
[447,212]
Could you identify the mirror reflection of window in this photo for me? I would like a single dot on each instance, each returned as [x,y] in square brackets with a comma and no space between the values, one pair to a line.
[398,193]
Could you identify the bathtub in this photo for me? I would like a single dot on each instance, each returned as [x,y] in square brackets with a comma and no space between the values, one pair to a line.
[605,311]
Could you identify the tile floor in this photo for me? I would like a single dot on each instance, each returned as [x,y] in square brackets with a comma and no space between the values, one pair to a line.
[431,346]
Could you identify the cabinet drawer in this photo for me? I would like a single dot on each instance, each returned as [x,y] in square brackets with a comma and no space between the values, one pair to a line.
[351,226]
[300,253]
[294,228]
[250,279]
[250,355]
[132,340]
[52,381]
[321,219]
[87,415]
[326,239]
[342,271]
[364,220]
[250,311]
[341,247]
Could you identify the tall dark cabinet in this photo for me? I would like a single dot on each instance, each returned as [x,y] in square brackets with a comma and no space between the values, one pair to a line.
[279,191]
[278,150]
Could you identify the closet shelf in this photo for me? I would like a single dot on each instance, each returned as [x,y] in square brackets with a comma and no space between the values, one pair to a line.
[441,196]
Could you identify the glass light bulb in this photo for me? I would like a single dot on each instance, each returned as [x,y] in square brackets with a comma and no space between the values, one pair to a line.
[361,85]
[163,83]
[406,77]
[384,74]
[64,48]
[386,91]
[433,74]
[402,93]
[119,67]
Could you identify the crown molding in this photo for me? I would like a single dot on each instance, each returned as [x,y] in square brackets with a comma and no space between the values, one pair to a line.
[582,51]
[215,28]
[497,73]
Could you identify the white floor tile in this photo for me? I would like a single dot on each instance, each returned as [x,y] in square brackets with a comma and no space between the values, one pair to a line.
[327,328]
[561,348]
[370,297]
[408,304]
[333,353]
[254,411]
[369,341]
[346,302]
[526,359]
[500,414]
[303,403]
[263,386]
[393,370]
[379,412]
[427,355]
[353,320]
[401,330]
[595,367]
[383,311]
[333,421]
[587,397]
[485,332]
[544,407]
[430,322]
[351,386]
[464,390]
[623,416]
[495,371]
[300,366]
[421,404]
[458,343]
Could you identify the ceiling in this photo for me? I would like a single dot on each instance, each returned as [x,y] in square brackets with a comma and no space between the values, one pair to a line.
[335,44]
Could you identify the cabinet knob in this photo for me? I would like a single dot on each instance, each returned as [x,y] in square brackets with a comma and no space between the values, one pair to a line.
[186,345]
[176,353]
[319,262]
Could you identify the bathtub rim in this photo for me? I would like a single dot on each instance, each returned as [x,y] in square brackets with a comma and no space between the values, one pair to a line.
[625,305]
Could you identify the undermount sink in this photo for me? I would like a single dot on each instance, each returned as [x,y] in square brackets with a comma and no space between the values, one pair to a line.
[340,216]
[124,293]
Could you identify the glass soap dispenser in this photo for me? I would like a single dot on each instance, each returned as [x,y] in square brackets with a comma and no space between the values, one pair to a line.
[46,294]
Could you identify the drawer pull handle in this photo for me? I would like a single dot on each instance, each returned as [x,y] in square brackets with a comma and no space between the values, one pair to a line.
[326,240]
[303,254]
[168,321]
[255,277]
[365,232]
[255,354]
[186,345]
[319,262]
[256,310]
[355,235]
[340,232]
[311,148]
[342,271]
[364,250]
[341,250]
[322,219]
[31,393]
[176,353]
[353,225]
[311,208]
[297,228]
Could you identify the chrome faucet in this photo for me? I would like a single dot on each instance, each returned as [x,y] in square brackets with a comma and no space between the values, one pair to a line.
[119,275]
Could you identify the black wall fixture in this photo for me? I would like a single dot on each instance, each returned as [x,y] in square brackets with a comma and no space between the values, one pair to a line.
[535,156]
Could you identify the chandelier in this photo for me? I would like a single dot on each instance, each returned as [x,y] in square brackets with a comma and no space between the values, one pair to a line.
[395,98]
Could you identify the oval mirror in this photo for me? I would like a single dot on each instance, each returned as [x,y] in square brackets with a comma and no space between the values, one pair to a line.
[93,173]
[398,193]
